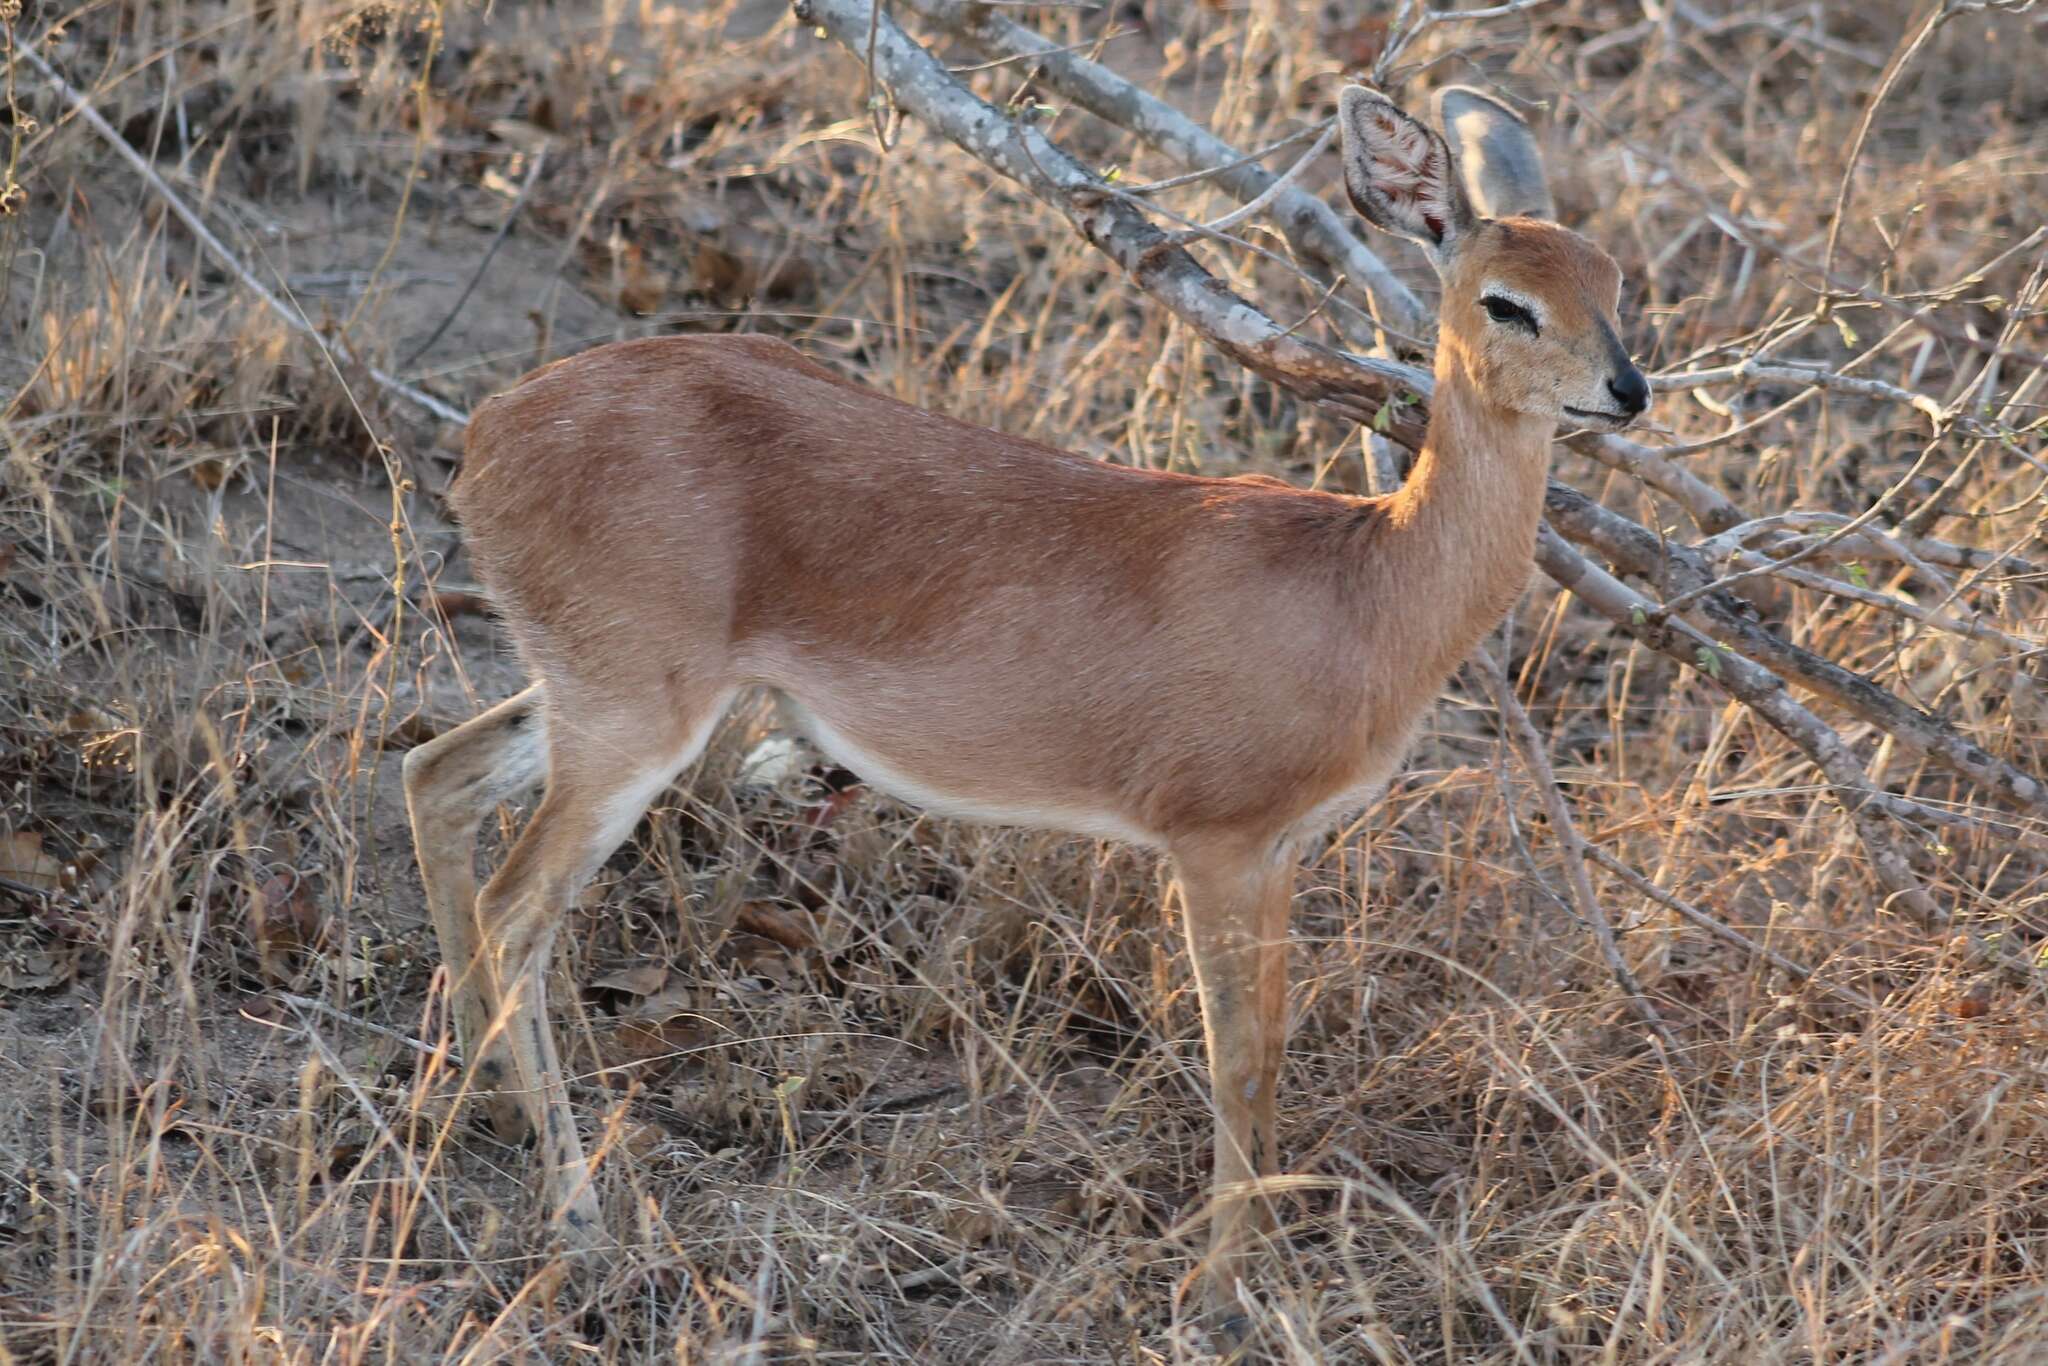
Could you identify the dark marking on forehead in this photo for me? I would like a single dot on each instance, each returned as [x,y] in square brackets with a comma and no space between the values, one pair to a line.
[1546,256]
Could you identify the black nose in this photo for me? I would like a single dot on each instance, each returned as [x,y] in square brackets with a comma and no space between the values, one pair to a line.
[1631,391]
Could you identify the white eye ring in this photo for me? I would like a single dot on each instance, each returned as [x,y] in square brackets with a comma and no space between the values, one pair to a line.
[1529,307]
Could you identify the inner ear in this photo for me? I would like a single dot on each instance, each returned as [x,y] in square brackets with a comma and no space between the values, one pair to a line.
[1399,175]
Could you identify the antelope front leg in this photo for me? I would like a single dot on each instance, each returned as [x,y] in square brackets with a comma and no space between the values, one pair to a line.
[1236,899]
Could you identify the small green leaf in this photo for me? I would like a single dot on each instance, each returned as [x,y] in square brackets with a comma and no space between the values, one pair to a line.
[1709,661]
[1849,337]
[789,1087]
[1638,618]
[1858,575]
[1384,418]
[1112,174]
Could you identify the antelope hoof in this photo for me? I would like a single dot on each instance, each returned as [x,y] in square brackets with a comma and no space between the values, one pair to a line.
[503,1112]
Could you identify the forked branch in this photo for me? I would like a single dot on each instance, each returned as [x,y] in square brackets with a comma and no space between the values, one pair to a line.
[1309,225]
[1110,221]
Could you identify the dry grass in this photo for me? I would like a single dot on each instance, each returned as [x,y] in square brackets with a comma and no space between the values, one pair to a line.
[876,1086]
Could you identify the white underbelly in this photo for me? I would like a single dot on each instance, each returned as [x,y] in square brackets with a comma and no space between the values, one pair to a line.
[990,807]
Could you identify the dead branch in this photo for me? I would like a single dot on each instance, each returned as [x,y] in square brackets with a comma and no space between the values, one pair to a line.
[1310,225]
[1921,553]
[1764,693]
[1733,623]
[1114,224]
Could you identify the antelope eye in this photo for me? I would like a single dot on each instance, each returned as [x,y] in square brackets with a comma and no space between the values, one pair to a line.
[1508,311]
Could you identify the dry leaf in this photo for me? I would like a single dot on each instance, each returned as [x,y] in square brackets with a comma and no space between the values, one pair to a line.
[643,1141]
[298,906]
[795,930]
[341,1160]
[640,1040]
[718,272]
[209,473]
[285,920]
[666,1023]
[732,277]
[642,287]
[352,967]
[757,955]
[527,136]
[36,970]
[88,720]
[22,860]
[969,1226]
[642,979]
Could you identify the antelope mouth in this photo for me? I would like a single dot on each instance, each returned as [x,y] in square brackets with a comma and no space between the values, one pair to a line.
[1597,417]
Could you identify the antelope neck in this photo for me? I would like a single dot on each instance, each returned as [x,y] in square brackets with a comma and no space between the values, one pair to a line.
[1465,522]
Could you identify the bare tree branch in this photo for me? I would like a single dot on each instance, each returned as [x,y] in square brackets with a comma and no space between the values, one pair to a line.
[1732,623]
[1763,692]
[1309,225]
[1111,222]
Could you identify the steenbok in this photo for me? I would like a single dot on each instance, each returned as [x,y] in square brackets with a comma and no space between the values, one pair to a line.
[992,629]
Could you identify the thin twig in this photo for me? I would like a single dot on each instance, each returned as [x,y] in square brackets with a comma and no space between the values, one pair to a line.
[540,158]
[1937,15]
[1529,745]
[453,1057]
[1299,135]
[334,348]
[1724,931]
[1310,225]
[1405,31]
[1277,188]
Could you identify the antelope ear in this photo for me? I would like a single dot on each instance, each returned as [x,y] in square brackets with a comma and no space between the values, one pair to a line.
[1496,151]
[1400,175]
